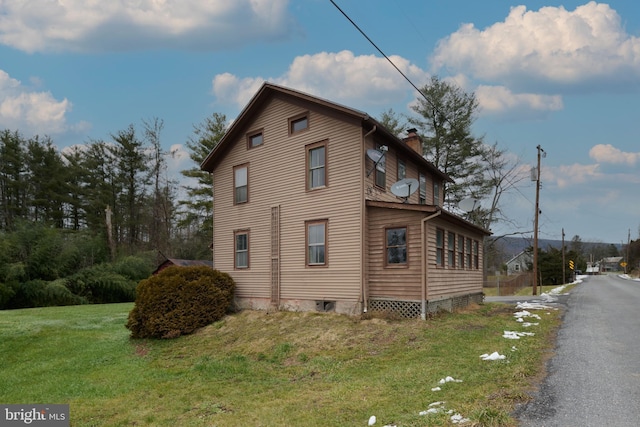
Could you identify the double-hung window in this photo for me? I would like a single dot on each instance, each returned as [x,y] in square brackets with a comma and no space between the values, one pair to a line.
[316,243]
[241,249]
[241,184]
[402,170]
[317,165]
[461,252]
[476,254]
[451,249]
[439,247]
[469,253]
[396,246]
[423,189]
[436,193]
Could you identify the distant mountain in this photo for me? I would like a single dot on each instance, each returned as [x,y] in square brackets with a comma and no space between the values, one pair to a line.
[512,246]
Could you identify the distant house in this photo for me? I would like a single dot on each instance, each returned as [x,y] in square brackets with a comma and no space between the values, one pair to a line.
[519,263]
[610,264]
[318,206]
[181,263]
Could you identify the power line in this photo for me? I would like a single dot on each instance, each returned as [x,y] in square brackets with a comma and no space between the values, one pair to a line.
[390,61]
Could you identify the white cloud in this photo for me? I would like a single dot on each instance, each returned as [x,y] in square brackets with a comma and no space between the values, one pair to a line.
[341,77]
[231,89]
[80,25]
[552,45]
[29,111]
[566,175]
[500,99]
[607,153]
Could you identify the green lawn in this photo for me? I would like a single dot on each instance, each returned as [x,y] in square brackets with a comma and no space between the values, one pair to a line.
[278,369]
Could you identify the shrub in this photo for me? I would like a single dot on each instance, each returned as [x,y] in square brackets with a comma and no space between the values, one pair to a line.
[133,268]
[99,284]
[178,301]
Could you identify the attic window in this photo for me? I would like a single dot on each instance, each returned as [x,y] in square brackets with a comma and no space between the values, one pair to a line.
[298,124]
[255,139]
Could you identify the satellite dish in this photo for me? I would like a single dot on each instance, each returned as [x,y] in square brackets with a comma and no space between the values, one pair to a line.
[469,205]
[405,188]
[378,159]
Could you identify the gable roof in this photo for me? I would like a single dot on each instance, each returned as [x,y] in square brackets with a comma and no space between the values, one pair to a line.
[523,254]
[268,90]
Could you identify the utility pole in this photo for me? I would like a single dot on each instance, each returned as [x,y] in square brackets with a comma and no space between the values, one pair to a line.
[563,265]
[535,224]
[626,261]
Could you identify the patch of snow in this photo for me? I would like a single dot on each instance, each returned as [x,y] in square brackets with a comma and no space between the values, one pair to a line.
[520,315]
[534,306]
[449,379]
[372,420]
[513,335]
[493,356]
[459,419]
[436,389]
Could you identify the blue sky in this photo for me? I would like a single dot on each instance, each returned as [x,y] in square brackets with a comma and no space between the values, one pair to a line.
[565,75]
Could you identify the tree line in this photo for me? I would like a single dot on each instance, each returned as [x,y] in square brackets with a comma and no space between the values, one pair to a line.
[91,206]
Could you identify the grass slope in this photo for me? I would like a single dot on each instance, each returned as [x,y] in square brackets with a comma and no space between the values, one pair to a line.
[278,369]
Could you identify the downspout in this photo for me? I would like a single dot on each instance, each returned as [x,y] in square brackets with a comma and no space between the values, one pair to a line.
[364,275]
[423,267]
[213,223]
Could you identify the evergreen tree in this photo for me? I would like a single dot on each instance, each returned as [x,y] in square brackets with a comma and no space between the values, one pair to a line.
[197,217]
[445,118]
[47,182]
[132,164]
[13,182]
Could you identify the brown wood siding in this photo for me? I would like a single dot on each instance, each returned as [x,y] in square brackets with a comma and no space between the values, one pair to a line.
[394,281]
[373,192]
[445,281]
[406,283]
[277,176]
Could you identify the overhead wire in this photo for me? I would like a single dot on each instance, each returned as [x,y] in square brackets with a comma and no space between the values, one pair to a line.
[435,108]
[393,64]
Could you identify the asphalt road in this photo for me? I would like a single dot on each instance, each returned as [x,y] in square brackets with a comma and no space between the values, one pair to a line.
[594,377]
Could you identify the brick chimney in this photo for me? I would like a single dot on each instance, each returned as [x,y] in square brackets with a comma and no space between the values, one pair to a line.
[413,140]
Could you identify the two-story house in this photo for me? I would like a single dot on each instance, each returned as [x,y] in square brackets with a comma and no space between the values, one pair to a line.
[309,215]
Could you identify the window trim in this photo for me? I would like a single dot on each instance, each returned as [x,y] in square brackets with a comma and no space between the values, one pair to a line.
[308,150]
[235,188]
[469,254]
[307,261]
[253,134]
[237,233]
[404,264]
[298,118]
